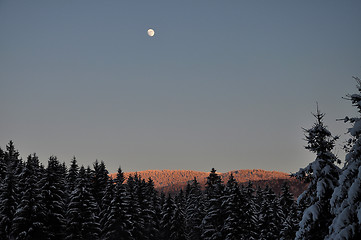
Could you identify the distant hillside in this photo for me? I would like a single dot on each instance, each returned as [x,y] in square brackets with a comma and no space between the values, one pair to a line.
[170,181]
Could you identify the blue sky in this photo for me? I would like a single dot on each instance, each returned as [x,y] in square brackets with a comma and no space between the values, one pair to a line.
[223,84]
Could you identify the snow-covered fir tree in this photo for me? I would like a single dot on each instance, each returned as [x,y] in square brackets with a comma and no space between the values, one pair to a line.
[177,223]
[269,219]
[145,206]
[99,180]
[8,199]
[290,216]
[322,175]
[117,223]
[133,208]
[231,203]
[54,197]
[167,215]
[8,192]
[104,214]
[29,219]
[212,222]
[3,166]
[194,211]
[8,203]
[71,178]
[154,211]
[180,199]
[82,221]
[249,212]
[346,199]
[11,158]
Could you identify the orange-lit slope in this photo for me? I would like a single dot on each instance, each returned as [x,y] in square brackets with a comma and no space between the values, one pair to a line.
[169,178]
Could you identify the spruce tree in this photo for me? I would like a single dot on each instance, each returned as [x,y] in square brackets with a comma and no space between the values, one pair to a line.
[117,223]
[81,218]
[154,211]
[145,205]
[212,222]
[269,220]
[249,212]
[232,204]
[177,223]
[289,209]
[106,206]
[180,199]
[10,166]
[3,166]
[71,178]
[53,192]
[162,200]
[99,182]
[29,219]
[167,215]
[194,211]
[322,175]
[11,156]
[346,198]
[8,202]
[133,208]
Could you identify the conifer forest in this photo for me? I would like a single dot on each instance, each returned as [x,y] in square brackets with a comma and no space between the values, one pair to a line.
[75,202]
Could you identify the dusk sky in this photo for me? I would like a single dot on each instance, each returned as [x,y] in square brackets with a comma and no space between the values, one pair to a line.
[223,84]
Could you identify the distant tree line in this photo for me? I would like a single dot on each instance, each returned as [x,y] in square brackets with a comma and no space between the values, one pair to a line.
[60,202]
[56,202]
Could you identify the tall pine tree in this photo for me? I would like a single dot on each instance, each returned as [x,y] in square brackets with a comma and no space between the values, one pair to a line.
[194,211]
[232,204]
[269,219]
[167,215]
[82,221]
[54,196]
[249,212]
[212,222]
[29,219]
[9,169]
[99,182]
[289,209]
[154,211]
[346,199]
[71,178]
[117,223]
[8,202]
[322,175]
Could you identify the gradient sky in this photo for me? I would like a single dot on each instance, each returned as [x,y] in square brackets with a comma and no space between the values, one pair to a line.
[223,84]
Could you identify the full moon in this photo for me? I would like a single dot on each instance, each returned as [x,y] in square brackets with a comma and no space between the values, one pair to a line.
[150,32]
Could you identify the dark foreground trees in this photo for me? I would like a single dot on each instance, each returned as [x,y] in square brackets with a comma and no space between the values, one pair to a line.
[322,175]
[53,202]
[346,199]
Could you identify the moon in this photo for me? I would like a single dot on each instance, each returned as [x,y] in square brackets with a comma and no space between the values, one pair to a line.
[150,32]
